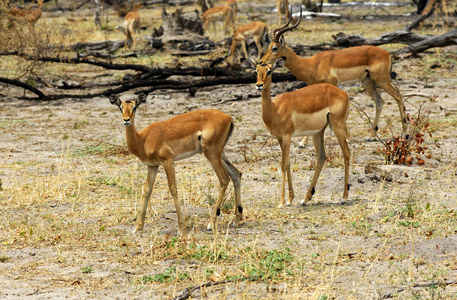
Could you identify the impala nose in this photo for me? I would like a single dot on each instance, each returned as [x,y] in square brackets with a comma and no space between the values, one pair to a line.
[259,86]
[126,122]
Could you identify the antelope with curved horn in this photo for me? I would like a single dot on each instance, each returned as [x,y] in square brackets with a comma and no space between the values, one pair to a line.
[369,64]
[162,143]
[304,112]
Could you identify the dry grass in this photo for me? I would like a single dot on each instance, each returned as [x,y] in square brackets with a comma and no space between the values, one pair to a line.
[71,194]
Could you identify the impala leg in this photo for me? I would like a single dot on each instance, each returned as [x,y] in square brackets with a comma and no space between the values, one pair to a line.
[235,175]
[215,160]
[152,174]
[259,47]
[340,132]
[214,27]
[134,41]
[286,173]
[395,93]
[318,141]
[243,47]
[379,103]
[171,177]
[303,142]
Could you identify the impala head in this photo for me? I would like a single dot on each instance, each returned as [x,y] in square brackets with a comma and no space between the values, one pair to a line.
[128,107]
[277,42]
[264,71]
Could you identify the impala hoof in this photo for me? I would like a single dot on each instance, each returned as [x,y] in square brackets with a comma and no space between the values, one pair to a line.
[288,203]
[280,205]
[234,225]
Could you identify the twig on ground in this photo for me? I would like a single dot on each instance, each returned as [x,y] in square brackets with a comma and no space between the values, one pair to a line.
[417,285]
[188,291]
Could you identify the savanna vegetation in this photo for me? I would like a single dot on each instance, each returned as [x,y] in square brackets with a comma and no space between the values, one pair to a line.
[71,193]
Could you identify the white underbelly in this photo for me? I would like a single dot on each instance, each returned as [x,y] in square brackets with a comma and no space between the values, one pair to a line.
[350,75]
[350,82]
[306,133]
[188,154]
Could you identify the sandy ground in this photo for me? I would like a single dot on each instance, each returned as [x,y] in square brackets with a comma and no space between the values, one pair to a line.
[70,195]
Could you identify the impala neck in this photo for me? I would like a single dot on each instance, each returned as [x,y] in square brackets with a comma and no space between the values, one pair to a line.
[267,104]
[297,65]
[134,141]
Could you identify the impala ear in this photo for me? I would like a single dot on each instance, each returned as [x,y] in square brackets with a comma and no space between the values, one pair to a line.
[142,97]
[279,62]
[267,37]
[114,99]
[282,41]
[248,64]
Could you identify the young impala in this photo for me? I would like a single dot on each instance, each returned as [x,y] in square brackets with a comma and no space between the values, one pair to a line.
[304,112]
[234,6]
[219,13]
[258,30]
[30,16]
[162,143]
[369,64]
[132,26]
[432,4]
[283,10]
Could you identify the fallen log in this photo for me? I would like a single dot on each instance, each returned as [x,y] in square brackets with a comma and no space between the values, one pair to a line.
[400,36]
[21,84]
[443,40]
[110,46]
[208,78]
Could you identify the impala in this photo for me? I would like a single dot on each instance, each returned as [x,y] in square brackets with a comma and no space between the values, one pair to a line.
[219,13]
[283,10]
[304,112]
[258,30]
[162,143]
[443,10]
[132,26]
[30,16]
[234,6]
[369,64]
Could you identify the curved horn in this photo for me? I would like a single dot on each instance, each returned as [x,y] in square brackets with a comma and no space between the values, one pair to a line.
[273,34]
[279,31]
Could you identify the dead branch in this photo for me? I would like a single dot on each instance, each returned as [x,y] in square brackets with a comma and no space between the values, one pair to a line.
[399,290]
[186,293]
[443,40]
[21,84]
[170,2]
[400,36]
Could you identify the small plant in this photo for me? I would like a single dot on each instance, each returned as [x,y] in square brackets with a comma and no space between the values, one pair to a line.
[167,277]
[86,270]
[213,255]
[404,150]
[409,146]
[273,265]
[4,258]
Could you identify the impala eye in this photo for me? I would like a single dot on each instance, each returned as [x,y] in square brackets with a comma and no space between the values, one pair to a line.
[269,72]
[274,49]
